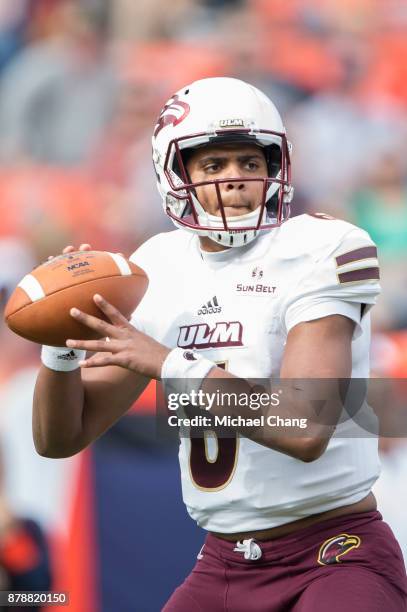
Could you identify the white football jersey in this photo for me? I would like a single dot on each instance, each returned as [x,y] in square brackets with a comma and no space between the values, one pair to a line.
[237,307]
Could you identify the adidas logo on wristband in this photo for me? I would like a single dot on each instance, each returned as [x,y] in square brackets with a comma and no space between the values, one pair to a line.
[68,356]
[61,359]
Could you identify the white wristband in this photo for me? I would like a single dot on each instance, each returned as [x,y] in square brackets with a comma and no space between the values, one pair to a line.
[61,358]
[184,371]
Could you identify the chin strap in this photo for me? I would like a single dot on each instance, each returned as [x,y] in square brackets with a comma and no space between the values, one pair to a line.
[230,239]
[233,237]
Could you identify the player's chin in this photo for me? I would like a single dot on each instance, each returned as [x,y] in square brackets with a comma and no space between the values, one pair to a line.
[234,211]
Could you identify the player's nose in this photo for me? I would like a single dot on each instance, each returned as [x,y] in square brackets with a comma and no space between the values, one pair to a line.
[233,171]
[235,185]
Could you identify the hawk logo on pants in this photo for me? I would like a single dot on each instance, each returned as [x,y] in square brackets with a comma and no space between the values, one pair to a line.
[334,548]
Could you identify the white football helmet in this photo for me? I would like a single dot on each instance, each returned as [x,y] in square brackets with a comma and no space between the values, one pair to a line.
[221,110]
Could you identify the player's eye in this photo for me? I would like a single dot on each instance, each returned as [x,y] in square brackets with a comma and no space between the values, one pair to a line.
[252,166]
[212,168]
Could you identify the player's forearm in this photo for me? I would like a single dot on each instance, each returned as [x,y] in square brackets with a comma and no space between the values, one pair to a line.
[58,412]
[72,409]
[288,424]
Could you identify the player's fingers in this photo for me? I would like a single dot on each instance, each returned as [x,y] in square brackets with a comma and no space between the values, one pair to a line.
[115,316]
[45,260]
[68,249]
[102,327]
[83,247]
[93,345]
[99,360]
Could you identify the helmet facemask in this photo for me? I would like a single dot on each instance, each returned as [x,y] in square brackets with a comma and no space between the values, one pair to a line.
[185,209]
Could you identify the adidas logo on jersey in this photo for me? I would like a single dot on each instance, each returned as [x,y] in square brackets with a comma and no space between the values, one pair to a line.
[211,307]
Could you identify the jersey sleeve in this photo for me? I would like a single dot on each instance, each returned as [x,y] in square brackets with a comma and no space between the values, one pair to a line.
[343,279]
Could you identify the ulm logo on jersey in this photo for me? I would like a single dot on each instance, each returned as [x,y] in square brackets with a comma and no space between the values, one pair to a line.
[202,336]
[333,549]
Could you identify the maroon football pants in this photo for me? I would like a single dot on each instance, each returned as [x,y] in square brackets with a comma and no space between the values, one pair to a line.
[345,564]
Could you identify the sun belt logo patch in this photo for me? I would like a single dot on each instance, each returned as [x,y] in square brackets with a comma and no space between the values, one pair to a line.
[173,113]
[333,549]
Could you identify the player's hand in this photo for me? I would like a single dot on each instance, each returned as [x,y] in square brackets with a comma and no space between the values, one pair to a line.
[122,344]
[83,247]
[70,249]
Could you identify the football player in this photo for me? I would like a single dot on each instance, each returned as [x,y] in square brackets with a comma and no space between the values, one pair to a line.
[238,292]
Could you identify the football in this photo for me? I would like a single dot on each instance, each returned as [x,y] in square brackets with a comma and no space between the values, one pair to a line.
[39,307]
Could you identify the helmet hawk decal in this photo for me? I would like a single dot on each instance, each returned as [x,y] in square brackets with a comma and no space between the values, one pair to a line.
[176,105]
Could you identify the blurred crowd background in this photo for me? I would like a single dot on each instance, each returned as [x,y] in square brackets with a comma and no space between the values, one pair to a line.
[81,85]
